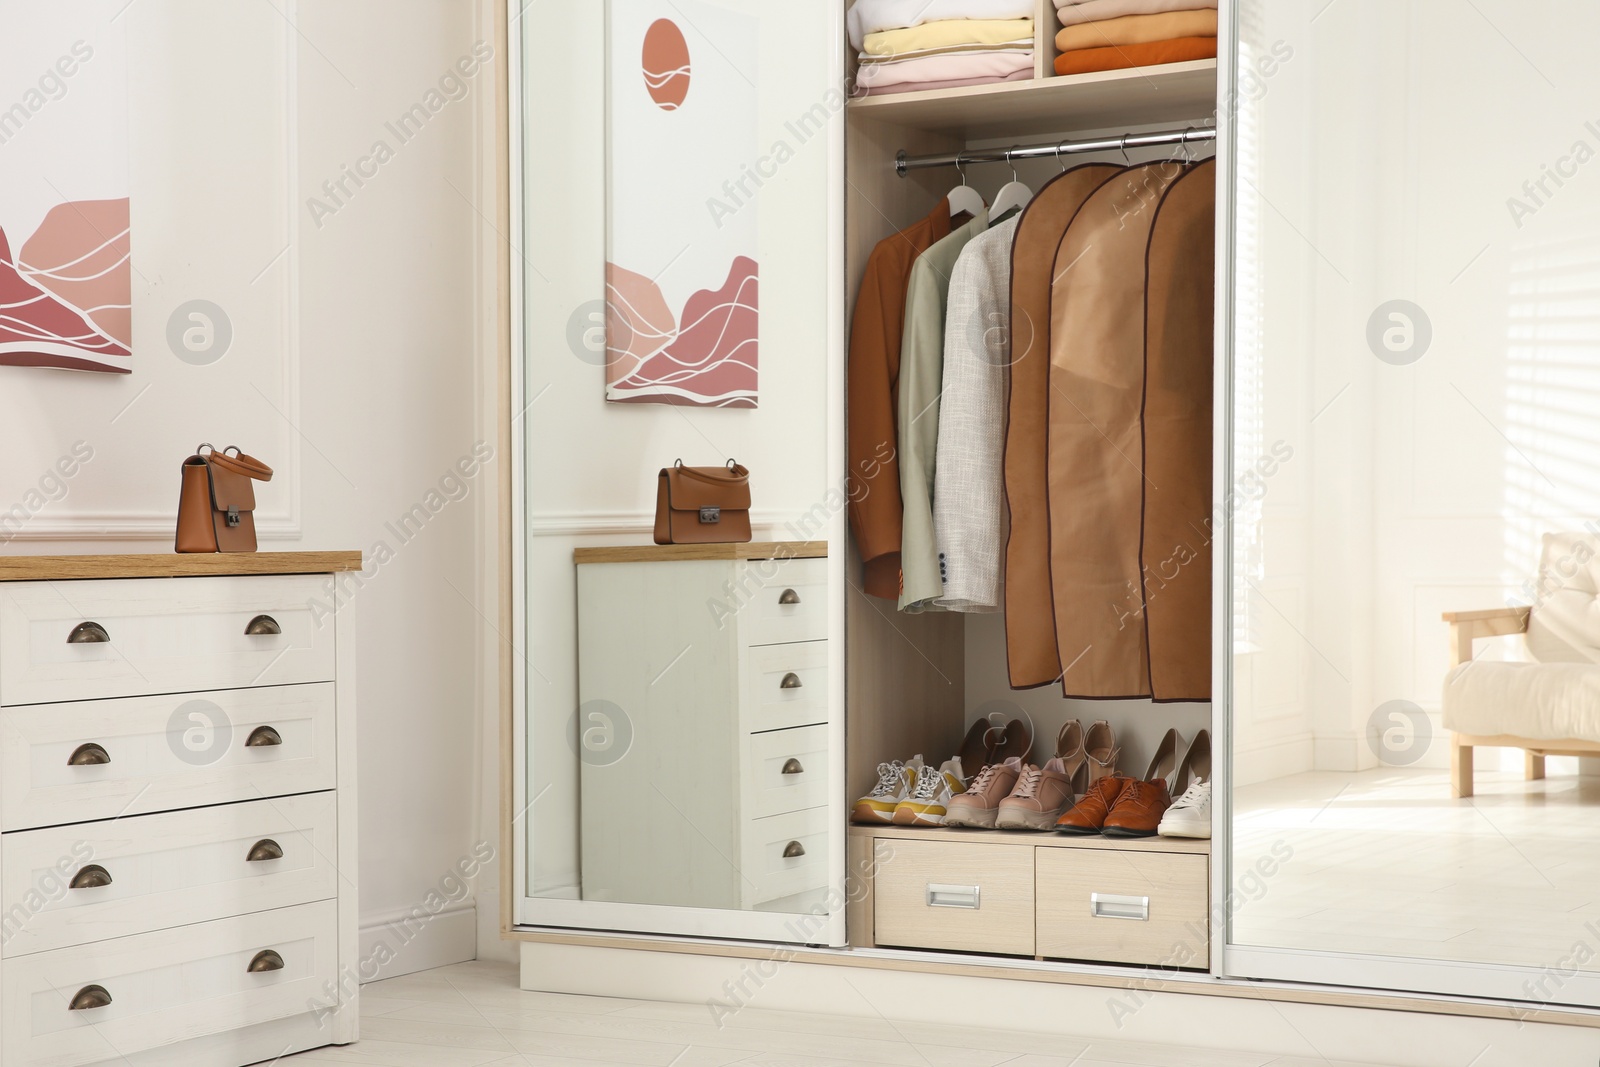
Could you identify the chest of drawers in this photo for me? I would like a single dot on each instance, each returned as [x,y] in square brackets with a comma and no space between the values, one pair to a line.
[177,809]
[702,731]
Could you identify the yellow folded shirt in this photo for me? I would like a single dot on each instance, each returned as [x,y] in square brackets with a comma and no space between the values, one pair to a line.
[947,32]
[1138,29]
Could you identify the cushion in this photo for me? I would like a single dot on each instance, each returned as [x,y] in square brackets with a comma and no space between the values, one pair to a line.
[1565,624]
[1545,701]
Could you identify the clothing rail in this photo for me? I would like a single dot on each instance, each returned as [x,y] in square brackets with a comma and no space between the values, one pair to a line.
[1190,135]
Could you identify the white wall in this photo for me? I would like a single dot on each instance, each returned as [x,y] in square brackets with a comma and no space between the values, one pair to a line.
[353,370]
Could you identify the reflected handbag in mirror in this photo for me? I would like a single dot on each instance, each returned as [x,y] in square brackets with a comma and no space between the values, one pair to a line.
[702,505]
[217,502]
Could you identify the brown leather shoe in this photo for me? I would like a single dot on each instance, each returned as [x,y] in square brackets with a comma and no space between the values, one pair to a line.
[1088,815]
[1138,809]
[1016,741]
[977,749]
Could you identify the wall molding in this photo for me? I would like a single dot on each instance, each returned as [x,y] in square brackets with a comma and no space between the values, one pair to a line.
[450,936]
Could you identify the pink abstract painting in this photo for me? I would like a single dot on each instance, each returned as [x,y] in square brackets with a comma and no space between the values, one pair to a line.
[65,292]
[707,358]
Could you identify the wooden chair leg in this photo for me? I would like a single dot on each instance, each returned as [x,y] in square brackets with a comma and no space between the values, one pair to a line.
[1532,766]
[1460,767]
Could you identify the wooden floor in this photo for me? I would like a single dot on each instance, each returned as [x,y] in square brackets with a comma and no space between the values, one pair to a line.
[1387,862]
[473,1015]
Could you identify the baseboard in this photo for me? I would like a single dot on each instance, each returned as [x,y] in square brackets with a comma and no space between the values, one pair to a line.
[396,944]
[1277,757]
[1316,1031]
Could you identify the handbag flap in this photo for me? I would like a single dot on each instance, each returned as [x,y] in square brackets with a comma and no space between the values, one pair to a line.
[693,488]
[230,490]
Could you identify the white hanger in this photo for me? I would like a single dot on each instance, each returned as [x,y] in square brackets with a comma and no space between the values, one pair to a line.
[1012,195]
[964,199]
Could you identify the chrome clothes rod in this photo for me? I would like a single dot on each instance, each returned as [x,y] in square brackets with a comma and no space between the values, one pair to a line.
[1191,135]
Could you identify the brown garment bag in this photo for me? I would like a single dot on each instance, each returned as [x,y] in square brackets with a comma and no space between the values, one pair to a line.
[1180,300]
[1030,620]
[1096,447]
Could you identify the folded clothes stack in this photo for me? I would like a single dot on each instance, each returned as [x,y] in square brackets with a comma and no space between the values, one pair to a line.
[1117,34]
[909,45]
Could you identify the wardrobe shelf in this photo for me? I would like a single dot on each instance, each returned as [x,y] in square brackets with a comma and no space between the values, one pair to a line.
[1104,100]
[1194,846]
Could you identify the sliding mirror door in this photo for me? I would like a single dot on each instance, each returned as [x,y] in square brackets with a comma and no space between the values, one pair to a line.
[1416,491]
[677,238]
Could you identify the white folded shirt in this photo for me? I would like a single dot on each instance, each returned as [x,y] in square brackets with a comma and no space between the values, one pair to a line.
[870,16]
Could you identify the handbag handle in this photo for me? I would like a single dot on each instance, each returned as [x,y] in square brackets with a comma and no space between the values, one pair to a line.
[694,472]
[241,464]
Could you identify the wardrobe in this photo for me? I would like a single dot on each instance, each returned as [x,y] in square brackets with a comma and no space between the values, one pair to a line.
[1159,915]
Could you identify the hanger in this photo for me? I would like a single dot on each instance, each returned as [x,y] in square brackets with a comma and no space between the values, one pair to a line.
[1013,195]
[1126,160]
[964,199]
[1184,155]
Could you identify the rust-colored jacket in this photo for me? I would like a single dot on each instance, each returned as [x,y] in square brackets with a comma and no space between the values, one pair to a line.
[872,382]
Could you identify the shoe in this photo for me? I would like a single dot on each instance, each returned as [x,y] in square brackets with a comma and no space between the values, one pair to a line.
[1015,742]
[1038,799]
[1089,814]
[930,797]
[1140,805]
[1100,748]
[977,749]
[976,807]
[1190,814]
[895,782]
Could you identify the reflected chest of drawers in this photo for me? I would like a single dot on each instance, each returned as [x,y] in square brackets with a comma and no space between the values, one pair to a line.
[702,728]
[177,801]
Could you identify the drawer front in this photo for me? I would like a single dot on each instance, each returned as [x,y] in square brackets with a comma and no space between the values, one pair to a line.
[949,895]
[166,987]
[1124,907]
[786,770]
[148,754]
[141,636]
[785,855]
[789,601]
[785,686]
[72,885]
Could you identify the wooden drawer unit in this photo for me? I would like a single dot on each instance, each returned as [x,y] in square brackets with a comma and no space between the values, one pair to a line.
[948,894]
[71,885]
[78,762]
[1124,906]
[160,989]
[787,601]
[785,686]
[63,641]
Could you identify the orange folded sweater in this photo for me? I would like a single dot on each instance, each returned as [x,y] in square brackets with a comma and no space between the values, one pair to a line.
[1121,57]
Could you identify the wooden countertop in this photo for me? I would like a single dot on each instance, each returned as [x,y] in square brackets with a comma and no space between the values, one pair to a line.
[678,553]
[173,565]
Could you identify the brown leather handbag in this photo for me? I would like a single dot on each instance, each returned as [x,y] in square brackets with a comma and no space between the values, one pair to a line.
[703,505]
[216,507]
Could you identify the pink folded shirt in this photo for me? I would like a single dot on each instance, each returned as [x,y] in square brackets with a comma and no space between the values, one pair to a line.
[953,83]
[998,63]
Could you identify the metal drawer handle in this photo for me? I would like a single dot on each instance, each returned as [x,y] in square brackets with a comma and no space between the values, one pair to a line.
[1112,906]
[954,896]
[88,633]
[789,597]
[90,755]
[793,850]
[90,997]
[791,681]
[792,767]
[93,876]
[263,850]
[266,960]
[263,737]
[262,625]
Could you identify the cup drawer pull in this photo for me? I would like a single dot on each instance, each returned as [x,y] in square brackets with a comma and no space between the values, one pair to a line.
[1112,906]
[954,896]
[794,850]
[264,850]
[88,633]
[266,960]
[263,626]
[791,681]
[90,997]
[90,755]
[263,737]
[93,876]
[792,766]
[788,598]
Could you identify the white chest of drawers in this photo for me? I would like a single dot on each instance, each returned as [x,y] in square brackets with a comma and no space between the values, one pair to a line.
[178,807]
[702,730]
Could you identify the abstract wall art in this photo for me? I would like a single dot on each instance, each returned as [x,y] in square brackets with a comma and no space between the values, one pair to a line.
[65,274]
[682,281]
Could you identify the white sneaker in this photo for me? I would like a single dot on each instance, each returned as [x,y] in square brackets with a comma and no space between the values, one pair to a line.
[895,782]
[1190,814]
[930,798]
